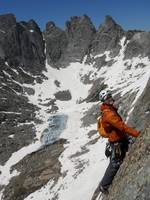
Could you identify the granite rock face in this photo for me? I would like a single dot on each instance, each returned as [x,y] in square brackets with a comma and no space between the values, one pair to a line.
[107,37]
[15,113]
[138,45]
[56,43]
[141,110]
[80,32]
[21,44]
[70,45]
[22,58]
[80,38]
[41,166]
[132,181]
[7,21]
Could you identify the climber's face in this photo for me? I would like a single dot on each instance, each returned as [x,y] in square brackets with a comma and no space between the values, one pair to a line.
[110,101]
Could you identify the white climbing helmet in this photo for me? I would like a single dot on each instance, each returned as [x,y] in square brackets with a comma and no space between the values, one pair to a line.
[104,95]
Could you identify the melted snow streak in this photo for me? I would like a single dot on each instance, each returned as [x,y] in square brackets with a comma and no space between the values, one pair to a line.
[83,165]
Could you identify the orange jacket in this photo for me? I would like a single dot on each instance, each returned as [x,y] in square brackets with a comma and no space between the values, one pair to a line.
[114,125]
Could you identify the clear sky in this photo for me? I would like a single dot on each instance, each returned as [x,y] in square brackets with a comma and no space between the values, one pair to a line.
[130,14]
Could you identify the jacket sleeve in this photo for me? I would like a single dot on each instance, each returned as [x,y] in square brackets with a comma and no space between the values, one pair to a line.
[113,119]
[98,123]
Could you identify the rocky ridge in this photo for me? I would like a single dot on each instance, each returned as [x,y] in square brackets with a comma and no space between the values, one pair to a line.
[71,44]
[22,60]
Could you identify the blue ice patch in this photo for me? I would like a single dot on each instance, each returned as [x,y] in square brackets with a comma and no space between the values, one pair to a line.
[56,124]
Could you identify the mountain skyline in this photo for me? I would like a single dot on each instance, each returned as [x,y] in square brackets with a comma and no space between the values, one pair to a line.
[131,15]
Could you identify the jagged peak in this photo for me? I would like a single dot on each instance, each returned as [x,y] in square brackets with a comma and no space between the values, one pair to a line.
[7,21]
[109,20]
[77,20]
[51,27]
[32,23]
[81,18]
[50,24]
[109,23]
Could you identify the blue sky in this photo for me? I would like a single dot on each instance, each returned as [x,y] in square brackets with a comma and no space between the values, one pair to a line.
[130,14]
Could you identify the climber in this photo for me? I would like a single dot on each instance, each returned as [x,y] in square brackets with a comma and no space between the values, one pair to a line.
[117,133]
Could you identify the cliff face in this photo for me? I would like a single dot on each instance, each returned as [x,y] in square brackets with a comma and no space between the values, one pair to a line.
[56,42]
[138,45]
[40,103]
[141,110]
[21,44]
[80,38]
[133,178]
[22,58]
[70,45]
[36,170]
[107,37]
